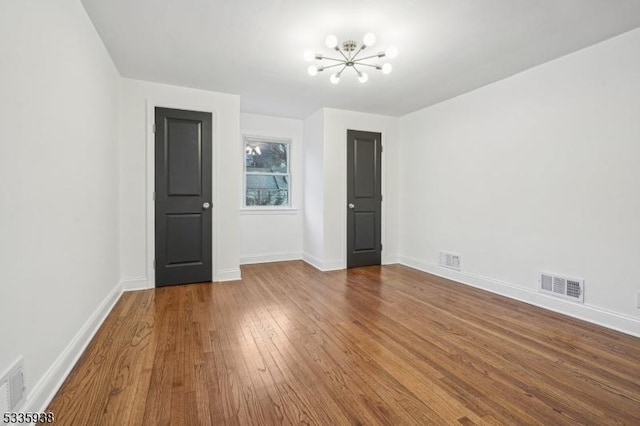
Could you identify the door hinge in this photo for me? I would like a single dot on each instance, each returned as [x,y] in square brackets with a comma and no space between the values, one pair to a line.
[380,247]
[154,264]
[154,127]
[154,195]
[381,148]
[381,197]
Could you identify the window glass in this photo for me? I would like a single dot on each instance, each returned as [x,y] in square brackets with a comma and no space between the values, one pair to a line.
[266,157]
[267,178]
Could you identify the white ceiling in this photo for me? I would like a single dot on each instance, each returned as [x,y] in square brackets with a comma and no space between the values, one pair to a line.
[254,48]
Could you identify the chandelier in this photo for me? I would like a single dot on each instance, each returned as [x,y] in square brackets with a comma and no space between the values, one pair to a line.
[349,58]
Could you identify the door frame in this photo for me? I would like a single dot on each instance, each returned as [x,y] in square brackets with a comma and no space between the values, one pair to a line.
[150,183]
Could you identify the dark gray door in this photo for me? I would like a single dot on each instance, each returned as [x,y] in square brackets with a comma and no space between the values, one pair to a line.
[364,198]
[183,196]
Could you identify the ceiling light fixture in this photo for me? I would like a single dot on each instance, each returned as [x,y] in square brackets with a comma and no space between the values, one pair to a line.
[350,52]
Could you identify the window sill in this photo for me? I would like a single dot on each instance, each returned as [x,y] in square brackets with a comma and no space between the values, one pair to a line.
[246,211]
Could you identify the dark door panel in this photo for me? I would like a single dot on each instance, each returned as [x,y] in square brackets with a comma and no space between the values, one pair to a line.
[365,232]
[364,196]
[184,157]
[184,239]
[183,196]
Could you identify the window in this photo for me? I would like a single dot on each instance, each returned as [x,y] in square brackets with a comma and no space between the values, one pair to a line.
[267,178]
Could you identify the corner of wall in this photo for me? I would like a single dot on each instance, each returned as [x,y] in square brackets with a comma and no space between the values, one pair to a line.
[322,264]
[133,284]
[227,275]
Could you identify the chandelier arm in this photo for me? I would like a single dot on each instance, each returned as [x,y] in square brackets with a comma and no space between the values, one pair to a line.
[366,65]
[342,53]
[362,47]
[343,68]
[332,65]
[333,59]
[370,57]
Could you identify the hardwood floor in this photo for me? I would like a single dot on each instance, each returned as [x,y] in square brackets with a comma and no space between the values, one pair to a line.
[377,345]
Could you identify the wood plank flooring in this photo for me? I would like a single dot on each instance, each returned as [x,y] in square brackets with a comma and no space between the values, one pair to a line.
[377,345]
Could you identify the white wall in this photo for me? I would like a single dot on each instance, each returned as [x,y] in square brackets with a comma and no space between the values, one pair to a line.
[336,124]
[313,226]
[268,235]
[535,172]
[58,168]
[137,100]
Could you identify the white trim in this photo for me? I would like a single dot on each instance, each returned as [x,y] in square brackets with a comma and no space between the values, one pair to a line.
[390,259]
[228,275]
[593,314]
[150,166]
[324,265]
[246,211]
[312,260]
[334,265]
[269,257]
[49,384]
[131,284]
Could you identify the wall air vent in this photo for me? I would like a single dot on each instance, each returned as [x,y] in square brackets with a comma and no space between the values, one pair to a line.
[5,398]
[12,389]
[450,260]
[562,286]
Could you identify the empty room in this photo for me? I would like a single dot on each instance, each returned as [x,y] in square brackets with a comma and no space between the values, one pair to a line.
[336,212]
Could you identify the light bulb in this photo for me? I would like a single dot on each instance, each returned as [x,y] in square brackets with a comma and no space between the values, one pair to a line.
[331,41]
[309,55]
[391,52]
[369,39]
[312,70]
[363,77]
[386,68]
[335,78]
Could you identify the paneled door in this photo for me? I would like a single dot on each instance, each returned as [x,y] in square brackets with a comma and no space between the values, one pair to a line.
[182,196]
[364,198]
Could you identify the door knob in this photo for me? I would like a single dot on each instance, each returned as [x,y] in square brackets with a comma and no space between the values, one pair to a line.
[206,206]
[351,205]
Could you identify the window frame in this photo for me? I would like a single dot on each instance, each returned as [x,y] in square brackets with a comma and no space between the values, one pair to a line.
[289,176]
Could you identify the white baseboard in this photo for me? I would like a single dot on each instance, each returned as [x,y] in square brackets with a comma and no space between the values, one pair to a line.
[334,265]
[593,314]
[312,260]
[323,265]
[131,284]
[228,275]
[269,257]
[390,259]
[45,389]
